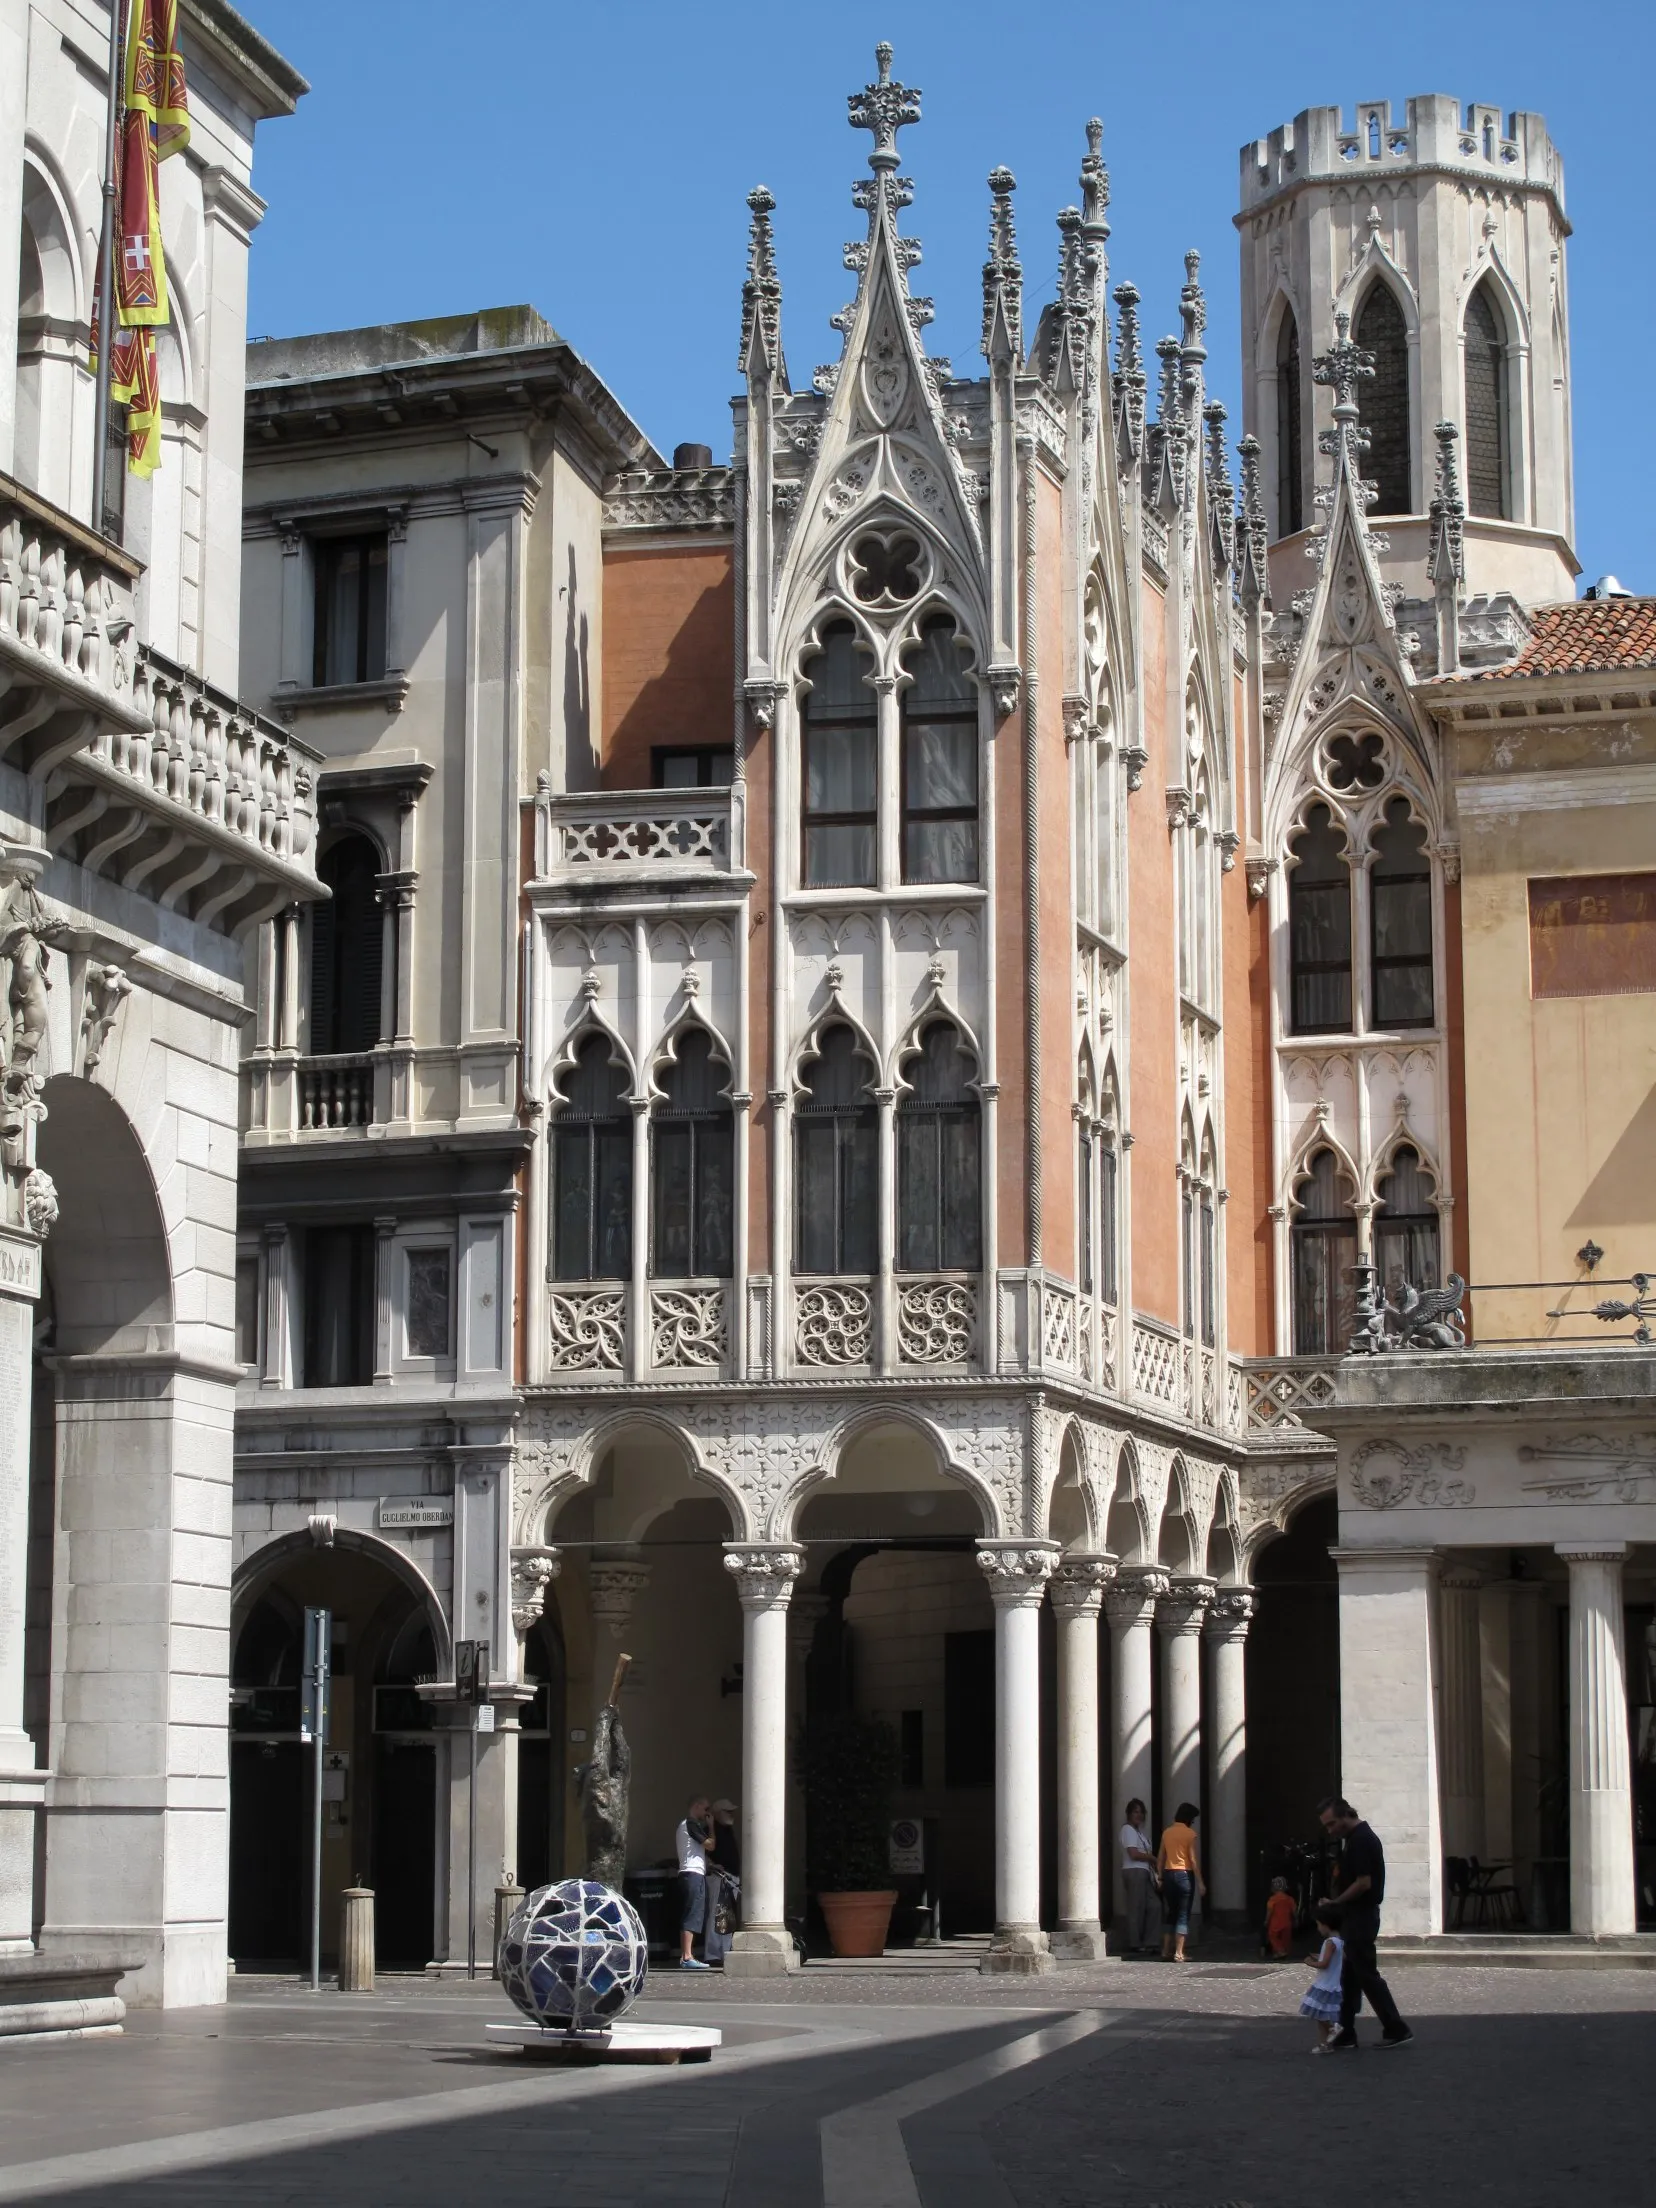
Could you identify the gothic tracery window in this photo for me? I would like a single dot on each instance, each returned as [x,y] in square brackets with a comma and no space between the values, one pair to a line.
[1384,398]
[836,1160]
[592,1169]
[1406,1224]
[841,808]
[1400,921]
[939,1170]
[1324,1241]
[940,760]
[1486,408]
[692,1166]
[1290,486]
[1319,928]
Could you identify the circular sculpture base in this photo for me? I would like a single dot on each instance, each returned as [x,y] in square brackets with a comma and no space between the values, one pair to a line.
[574,1956]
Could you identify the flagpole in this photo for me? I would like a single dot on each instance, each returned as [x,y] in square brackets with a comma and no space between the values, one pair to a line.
[106,276]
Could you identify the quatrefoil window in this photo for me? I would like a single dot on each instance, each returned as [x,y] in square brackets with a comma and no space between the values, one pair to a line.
[886,571]
[1357,762]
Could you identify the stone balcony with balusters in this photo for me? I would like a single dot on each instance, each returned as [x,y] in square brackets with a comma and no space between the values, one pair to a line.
[136,768]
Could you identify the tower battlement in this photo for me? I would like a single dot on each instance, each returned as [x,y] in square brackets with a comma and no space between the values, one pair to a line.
[1435,131]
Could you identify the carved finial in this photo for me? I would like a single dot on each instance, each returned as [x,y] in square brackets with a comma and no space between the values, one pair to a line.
[1095,184]
[883,108]
[1255,574]
[1221,492]
[1128,382]
[762,291]
[1169,430]
[1193,308]
[1002,273]
[1341,367]
[1446,550]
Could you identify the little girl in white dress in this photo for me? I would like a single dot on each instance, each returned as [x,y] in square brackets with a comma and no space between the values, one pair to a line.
[1322,1996]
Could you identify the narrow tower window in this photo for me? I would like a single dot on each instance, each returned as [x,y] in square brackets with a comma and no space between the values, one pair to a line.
[940,753]
[1290,489]
[1400,913]
[1384,398]
[1325,1249]
[1319,928]
[840,811]
[836,1164]
[1486,424]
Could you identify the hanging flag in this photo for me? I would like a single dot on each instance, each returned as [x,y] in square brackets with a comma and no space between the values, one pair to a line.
[156,123]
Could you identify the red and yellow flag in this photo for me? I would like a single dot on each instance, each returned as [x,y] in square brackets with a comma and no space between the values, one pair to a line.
[156,123]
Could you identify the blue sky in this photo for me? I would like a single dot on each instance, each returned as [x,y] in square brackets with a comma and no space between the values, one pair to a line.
[594,160]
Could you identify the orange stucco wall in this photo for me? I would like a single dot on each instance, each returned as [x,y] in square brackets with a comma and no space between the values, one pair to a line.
[1153,1110]
[669,644]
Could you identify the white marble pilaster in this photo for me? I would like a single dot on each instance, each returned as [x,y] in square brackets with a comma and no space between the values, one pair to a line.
[1460,1679]
[1130,1607]
[764,1573]
[1225,1629]
[1602,1896]
[22,1785]
[1017,1572]
[1388,1726]
[1078,1585]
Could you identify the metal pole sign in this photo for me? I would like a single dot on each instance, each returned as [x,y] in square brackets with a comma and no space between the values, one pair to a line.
[313,1729]
[471,1682]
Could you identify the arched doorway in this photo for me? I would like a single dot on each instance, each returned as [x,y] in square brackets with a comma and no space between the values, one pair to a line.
[380,1820]
[1293,1690]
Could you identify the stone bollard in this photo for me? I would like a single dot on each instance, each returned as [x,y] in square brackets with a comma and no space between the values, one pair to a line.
[356,1940]
[507,1897]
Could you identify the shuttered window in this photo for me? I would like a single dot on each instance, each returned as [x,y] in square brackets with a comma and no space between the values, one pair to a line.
[1486,429]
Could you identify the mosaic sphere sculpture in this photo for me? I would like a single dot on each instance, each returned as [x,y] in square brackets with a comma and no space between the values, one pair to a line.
[574,1955]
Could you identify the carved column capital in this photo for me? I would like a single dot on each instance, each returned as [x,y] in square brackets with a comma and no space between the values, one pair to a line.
[1133,1598]
[1230,1613]
[1017,1571]
[1078,1584]
[764,1572]
[533,1571]
[1181,1610]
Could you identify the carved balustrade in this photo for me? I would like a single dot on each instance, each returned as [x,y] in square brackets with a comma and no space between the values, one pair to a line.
[336,1092]
[628,833]
[937,1321]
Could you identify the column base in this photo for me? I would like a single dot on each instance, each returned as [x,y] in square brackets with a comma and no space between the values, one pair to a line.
[1017,1951]
[761,1951]
[1079,1943]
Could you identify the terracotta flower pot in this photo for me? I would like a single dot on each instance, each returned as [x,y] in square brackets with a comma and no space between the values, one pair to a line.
[858,1923]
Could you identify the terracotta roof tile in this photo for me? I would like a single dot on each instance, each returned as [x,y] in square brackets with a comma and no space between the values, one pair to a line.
[1590,636]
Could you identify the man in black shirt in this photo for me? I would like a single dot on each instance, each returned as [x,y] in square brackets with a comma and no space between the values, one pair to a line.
[1362,1889]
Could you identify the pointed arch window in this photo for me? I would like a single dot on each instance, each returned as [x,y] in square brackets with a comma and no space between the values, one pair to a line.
[347,943]
[1406,1245]
[836,1161]
[940,760]
[841,806]
[1384,398]
[1097,1193]
[939,1158]
[1400,921]
[1319,928]
[592,1169]
[1486,407]
[1324,1238]
[692,1146]
[1290,483]
[1199,1239]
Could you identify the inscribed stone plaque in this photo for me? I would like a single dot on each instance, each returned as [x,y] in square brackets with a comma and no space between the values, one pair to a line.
[1592,935]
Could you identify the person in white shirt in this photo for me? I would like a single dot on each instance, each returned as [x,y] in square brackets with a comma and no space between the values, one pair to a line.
[695,1829]
[1138,1880]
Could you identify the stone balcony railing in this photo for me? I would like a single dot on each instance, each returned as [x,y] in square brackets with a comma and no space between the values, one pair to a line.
[150,776]
[636,836]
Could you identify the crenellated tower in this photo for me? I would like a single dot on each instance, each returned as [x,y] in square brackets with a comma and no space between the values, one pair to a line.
[1441,236]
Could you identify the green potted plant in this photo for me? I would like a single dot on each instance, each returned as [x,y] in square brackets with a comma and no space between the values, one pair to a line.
[851,1767]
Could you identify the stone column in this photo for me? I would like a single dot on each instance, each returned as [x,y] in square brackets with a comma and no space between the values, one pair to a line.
[1602,1898]
[1017,1572]
[1179,1617]
[1078,1586]
[1460,1681]
[764,1573]
[805,1613]
[22,1785]
[1388,1726]
[1130,1607]
[1226,1853]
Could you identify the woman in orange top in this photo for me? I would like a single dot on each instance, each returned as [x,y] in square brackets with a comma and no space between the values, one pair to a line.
[1179,1860]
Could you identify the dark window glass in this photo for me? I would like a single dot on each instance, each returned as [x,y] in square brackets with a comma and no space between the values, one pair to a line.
[1406,1225]
[1486,438]
[347,935]
[692,1152]
[836,1162]
[249,1350]
[685,767]
[1324,1251]
[592,1188]
[1290,486]
[1383,398]
[429,1302]
[1187,1245]
[1108,1232]
[1319,928]
[350,609]
[940,772]
[1400,912]
[840,744]
[339,1307]
[1207,1254]
[1084,1198]
[939,1189]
